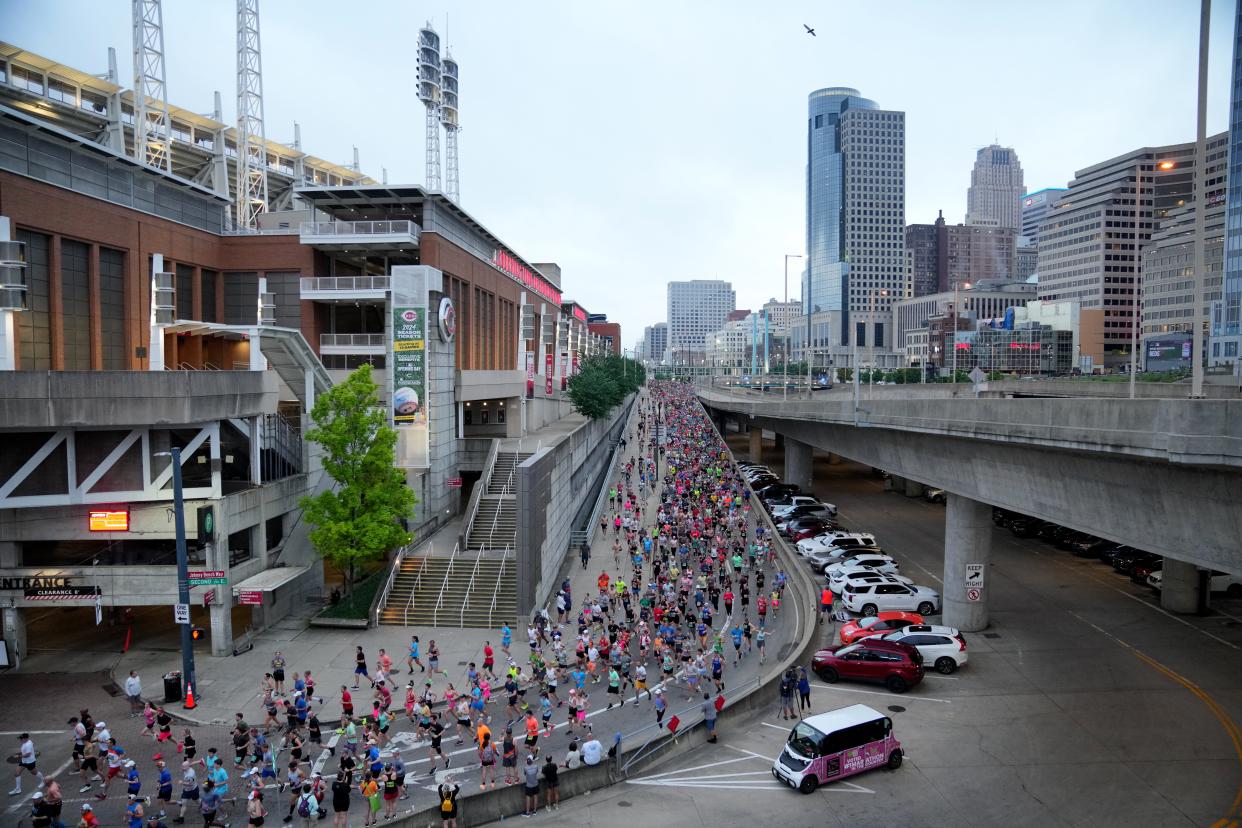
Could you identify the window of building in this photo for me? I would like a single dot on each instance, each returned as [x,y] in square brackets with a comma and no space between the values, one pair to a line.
[27,79]
[94,102]
[112,308]
[127,113]
[59,90]
[181,131]
[1231,349]
[75,304]
[184,286]
[207,282]
[34,329]
[4,72]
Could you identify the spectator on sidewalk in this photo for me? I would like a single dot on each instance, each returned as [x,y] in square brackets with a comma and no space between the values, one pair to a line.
[133,692]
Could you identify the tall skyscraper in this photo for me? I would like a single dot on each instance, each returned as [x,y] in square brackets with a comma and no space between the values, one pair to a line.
[695,309]
[996,188]
[1087,246]
[1035,208]
[655,342]
[944,256]
[855,231]
[1226,327]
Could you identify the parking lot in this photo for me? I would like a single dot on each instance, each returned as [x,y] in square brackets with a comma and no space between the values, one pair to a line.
[1084,703]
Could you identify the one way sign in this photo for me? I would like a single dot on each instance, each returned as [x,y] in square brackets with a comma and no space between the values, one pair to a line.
[974,575]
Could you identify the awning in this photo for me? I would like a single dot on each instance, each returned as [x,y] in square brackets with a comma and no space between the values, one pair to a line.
[270,579]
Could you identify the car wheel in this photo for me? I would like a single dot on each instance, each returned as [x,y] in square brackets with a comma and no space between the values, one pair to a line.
[829,674]
[945,665]
[894,760]
[926,608]
[896,684]
[870,610]
[809,784]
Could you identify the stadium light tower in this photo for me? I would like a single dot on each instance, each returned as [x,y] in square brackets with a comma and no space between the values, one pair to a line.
[251,142]
[451,119]
[152,135]
[429,94]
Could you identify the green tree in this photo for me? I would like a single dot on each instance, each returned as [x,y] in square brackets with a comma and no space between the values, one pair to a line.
[603,382]
[359,519]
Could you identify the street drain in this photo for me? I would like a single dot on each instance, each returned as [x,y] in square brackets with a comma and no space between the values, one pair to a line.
[896,708]
[991,635]
[624,803]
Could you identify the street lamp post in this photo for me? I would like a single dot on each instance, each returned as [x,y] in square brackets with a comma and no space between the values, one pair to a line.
[1135,317]
[183,570]
[1196,350]
[785,361]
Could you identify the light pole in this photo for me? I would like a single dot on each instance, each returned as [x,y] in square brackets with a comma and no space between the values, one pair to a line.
[1135,320]
[1196,312]
[183,571]
[785,361]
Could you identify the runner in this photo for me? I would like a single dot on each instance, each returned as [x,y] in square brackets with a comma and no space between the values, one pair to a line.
[26,761]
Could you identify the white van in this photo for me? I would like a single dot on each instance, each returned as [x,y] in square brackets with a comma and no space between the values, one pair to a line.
[837,744]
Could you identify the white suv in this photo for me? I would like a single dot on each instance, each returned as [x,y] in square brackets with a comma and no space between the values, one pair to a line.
[834,539]
[857,575]
[942,647]
[877,562]
[870,599]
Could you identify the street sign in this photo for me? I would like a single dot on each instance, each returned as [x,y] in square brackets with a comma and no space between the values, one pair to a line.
[181,613]
[208,597]
[252,597]
[977,376]
[974,575]
[974,594]
[453,482]
[206,577]
[98,610]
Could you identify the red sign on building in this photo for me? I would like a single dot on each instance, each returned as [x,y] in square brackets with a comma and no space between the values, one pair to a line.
[547,374]
[530,375]
[251,597]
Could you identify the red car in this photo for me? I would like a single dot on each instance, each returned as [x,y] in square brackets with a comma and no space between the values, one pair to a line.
[895,665]
[811,530]
[878,624]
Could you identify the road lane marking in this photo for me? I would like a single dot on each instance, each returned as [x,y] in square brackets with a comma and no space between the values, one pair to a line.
[834,688]
[1231,728]
[775,727]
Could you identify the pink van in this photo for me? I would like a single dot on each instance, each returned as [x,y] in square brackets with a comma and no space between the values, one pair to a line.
[837,744]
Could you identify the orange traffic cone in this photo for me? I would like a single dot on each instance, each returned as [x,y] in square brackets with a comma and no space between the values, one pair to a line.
[189,697]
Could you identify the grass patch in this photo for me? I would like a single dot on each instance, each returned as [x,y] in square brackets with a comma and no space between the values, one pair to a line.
[358,603]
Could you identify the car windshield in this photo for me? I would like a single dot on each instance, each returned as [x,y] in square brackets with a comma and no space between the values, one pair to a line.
[868,623]
[805,740]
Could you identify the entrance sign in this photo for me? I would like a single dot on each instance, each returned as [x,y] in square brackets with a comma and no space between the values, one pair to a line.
[409,383]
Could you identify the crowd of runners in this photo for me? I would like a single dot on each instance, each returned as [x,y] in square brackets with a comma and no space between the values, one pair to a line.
[694,589]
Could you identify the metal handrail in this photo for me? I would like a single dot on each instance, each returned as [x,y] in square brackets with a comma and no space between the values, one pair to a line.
[392,576]
[349,283]
[472,508]
[500,576]
[359,228]
[435,612]
[418,583]
[465,603]
[686,725]
[346,340]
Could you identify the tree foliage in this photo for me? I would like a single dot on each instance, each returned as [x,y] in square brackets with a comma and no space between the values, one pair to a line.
[360,519]
[603,382]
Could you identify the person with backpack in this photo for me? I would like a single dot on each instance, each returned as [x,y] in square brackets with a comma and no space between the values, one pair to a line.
[307,806]
[448,791]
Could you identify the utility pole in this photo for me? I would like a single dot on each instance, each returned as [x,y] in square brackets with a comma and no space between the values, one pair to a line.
[183,573]
[1196,309]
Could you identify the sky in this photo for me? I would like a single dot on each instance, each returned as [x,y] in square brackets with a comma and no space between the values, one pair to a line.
[640,142]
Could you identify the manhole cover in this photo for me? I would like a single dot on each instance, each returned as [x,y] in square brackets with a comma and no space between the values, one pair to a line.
[991,635]
[896,708]
[624,803]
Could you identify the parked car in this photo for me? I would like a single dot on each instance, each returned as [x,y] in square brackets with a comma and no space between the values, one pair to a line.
[772,500]
[856,576]
[869,599]
[1108,556]
[878,562]
[811,530]
[803,504]
[1142,568]
[1125,563]
[882,622]
[833,745]
[1052,533]
[789,513]
[1068,540]
[1025,527]
[774,488]
[836,538]
[895,665]
[794,503]
[942,647]
[934,495]
[832,554]
[1218,582]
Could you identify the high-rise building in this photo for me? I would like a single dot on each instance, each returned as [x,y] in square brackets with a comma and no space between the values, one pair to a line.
[948,255]
[996,188]
[1226,329]
[1035,206]
[655,342]
[1087,245]
[855,190]
[695,309]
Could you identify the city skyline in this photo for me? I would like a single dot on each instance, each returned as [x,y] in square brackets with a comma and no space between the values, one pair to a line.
[570,211]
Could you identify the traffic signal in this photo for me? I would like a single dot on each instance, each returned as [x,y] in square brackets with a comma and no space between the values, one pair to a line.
[206,524]
[198,634]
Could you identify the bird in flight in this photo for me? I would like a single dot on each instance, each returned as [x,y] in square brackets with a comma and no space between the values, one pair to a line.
[809,30]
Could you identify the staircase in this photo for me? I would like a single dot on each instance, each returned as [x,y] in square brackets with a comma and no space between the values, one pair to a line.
[494,525]
[475,592]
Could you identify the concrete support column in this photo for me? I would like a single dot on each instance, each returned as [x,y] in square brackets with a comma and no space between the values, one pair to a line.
[913,488]
[221,630]
[967,540]
[1180,586]
[799,464]
[756,445]
[13,631]
[893,483]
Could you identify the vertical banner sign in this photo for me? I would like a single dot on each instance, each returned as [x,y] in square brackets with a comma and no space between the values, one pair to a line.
[576,364]
[409,380]
[530,375]
[547,373]
[564,371]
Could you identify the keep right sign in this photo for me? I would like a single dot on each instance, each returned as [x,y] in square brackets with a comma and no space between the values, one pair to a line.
[974,576]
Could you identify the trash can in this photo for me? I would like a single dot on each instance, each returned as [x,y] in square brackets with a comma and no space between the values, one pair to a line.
[172,686]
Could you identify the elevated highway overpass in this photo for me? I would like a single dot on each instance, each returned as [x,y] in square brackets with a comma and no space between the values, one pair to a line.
[1163,475]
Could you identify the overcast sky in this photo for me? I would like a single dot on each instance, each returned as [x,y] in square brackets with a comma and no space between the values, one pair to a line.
[638,142]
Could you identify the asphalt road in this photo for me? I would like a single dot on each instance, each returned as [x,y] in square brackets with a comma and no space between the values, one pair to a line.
[1084,704]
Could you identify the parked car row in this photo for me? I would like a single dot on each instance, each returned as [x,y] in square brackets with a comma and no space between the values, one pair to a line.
[1141,566]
